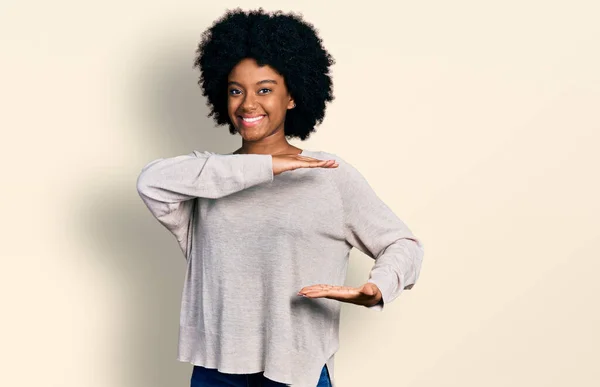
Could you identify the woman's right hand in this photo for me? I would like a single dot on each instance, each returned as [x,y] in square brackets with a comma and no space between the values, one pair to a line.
[282,163]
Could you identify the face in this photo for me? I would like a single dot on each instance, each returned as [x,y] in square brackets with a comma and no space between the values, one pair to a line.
[257,100]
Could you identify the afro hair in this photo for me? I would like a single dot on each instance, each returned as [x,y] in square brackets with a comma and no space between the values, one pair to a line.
[285,42]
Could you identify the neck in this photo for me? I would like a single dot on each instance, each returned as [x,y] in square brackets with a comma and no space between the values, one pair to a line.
[268,149]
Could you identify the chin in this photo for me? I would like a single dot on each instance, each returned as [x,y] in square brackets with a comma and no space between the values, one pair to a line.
[251,135]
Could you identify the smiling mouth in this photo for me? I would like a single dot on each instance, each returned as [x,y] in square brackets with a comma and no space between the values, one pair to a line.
[251,121]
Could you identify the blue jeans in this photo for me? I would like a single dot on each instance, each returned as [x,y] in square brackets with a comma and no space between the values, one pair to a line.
[211,377]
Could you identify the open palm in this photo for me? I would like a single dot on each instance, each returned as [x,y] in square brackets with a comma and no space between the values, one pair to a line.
[366,295]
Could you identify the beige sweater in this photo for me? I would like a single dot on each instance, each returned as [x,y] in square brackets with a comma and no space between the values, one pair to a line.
[252,240]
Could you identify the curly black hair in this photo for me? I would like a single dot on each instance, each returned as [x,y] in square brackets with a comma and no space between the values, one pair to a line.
[285,42]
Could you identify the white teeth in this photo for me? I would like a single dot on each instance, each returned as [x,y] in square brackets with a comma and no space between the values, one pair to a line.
[252,119]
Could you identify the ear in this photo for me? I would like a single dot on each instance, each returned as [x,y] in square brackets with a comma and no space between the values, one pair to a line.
[291,104]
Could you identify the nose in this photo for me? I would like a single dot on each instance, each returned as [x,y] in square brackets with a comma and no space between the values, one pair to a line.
[249,102]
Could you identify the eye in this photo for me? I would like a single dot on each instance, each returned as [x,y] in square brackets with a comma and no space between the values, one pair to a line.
[267,90]
[234,92]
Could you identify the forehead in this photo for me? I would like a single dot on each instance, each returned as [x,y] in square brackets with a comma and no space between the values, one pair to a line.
[248,71]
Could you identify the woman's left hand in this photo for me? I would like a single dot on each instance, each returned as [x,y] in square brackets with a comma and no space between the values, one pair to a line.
[367,295]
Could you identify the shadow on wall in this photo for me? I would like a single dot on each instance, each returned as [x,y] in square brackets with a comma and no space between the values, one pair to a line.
[142,257]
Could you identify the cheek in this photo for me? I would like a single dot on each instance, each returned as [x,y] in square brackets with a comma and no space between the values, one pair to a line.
[275,107]
[232,106]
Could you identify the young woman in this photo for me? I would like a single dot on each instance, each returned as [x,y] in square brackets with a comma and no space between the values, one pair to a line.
[266,230]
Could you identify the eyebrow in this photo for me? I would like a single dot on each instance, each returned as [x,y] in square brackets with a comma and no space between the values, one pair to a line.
[258,83]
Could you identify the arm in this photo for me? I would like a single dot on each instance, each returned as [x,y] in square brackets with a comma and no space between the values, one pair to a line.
[168,186]
[372,227]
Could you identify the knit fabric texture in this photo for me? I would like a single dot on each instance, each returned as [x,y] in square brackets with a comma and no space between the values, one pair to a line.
[251,240]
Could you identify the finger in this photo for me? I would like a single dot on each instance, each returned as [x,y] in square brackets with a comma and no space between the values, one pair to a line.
[311,288]
[312,159]
[315,294]
[333,295]
[315,164]
[329,289]
[323,164]
[327,292]
[316,287]
[317,161]
[306,157]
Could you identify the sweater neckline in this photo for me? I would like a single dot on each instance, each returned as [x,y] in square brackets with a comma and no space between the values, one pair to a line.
[303,153]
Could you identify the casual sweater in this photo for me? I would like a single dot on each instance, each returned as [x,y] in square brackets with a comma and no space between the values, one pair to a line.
[252,240]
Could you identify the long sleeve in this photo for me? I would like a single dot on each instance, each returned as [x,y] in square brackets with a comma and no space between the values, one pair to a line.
[372,227]
[168,185]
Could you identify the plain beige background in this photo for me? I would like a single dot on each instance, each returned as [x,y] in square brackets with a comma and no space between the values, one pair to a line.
[476,121]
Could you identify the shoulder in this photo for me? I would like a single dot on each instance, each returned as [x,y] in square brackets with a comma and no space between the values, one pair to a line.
[322,155]
[203,153]
[346,172]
